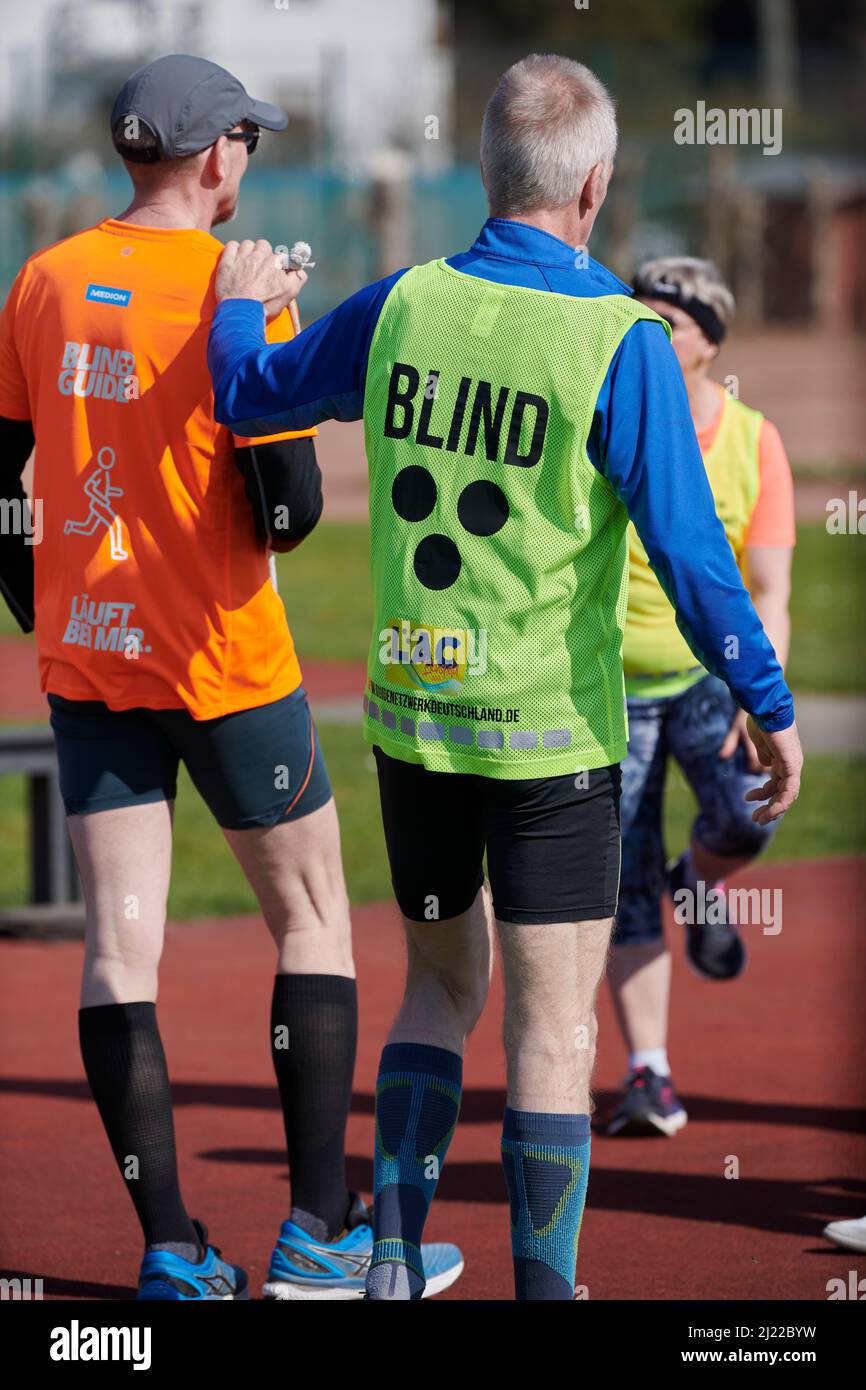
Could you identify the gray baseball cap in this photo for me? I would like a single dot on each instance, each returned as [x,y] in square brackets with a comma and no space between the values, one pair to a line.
[187,103]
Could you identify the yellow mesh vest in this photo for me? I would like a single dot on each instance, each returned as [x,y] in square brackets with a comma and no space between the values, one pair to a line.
[656,657]
[498,550]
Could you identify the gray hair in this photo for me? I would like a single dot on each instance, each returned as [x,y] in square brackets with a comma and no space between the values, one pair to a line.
[694,278]
[549,121]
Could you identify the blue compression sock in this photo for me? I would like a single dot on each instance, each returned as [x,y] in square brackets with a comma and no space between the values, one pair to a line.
[546,1162]
[417,1103]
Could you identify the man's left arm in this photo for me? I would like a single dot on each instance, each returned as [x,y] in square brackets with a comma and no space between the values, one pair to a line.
[283,485]
[282,478]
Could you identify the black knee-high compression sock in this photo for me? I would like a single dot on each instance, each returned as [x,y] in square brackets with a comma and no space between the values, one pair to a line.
[125,1065]
[314,1033]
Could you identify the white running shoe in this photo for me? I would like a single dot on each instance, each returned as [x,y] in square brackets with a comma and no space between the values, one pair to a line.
[851,1235]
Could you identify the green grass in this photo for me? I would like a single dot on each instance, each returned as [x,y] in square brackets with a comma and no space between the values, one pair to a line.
[829,819]
[8,625]
[828,600]
[325,585]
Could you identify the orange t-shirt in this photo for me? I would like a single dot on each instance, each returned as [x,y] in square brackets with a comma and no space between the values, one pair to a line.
[151,588]
[773,521]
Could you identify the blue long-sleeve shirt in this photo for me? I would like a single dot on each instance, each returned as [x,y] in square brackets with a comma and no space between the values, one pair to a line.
[642,438]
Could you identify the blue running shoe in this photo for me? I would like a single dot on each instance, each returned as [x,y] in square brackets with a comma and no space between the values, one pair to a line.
[167,1276]
[303,1268]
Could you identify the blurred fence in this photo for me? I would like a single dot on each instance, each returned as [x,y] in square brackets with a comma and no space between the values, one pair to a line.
[787,231]
[350,224]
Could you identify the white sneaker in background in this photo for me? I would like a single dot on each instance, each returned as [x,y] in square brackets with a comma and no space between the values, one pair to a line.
[851,1235]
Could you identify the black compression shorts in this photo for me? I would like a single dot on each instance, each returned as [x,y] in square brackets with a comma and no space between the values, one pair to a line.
[553,845]
[254,768]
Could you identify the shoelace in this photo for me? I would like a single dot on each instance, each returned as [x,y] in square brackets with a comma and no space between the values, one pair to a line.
[638,1078]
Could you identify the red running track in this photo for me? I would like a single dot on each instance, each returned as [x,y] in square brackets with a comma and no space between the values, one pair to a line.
[770,1067]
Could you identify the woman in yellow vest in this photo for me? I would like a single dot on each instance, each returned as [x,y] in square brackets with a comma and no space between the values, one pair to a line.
[676,710]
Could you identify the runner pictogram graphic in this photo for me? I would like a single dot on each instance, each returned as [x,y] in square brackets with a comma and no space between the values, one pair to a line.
[99,490]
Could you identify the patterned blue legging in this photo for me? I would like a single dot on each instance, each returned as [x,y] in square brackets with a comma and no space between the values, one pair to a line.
[691,729]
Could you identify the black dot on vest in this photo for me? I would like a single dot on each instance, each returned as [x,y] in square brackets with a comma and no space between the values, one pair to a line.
[437,562]
[413,493]
[482,508]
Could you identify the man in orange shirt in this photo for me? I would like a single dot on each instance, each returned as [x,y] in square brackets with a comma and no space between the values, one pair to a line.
[161,638]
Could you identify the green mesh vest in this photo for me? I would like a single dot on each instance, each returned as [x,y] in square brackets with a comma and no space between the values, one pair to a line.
[498,551]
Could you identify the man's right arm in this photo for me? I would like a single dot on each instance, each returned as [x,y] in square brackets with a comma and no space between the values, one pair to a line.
[261,389]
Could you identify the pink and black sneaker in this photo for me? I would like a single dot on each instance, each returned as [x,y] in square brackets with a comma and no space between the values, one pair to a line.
[649,1105]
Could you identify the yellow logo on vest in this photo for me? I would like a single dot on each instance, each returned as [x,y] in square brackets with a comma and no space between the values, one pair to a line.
[431,658]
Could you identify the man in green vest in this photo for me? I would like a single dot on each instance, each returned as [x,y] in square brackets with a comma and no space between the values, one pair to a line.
[519,407]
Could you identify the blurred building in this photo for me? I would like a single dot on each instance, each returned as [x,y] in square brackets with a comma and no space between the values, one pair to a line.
[796,238]
[357,79]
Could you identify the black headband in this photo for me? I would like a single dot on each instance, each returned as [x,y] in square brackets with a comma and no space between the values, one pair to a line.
[703,315]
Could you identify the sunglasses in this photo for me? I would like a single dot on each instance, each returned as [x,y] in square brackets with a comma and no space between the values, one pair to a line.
[249,137]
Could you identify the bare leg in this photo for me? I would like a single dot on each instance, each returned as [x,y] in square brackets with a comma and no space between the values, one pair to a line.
[124,859]
[640,984]
[296,872]
[552,974]
[447,979]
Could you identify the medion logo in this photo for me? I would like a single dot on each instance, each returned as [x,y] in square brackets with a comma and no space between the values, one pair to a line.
[108,294]
[77,1343]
